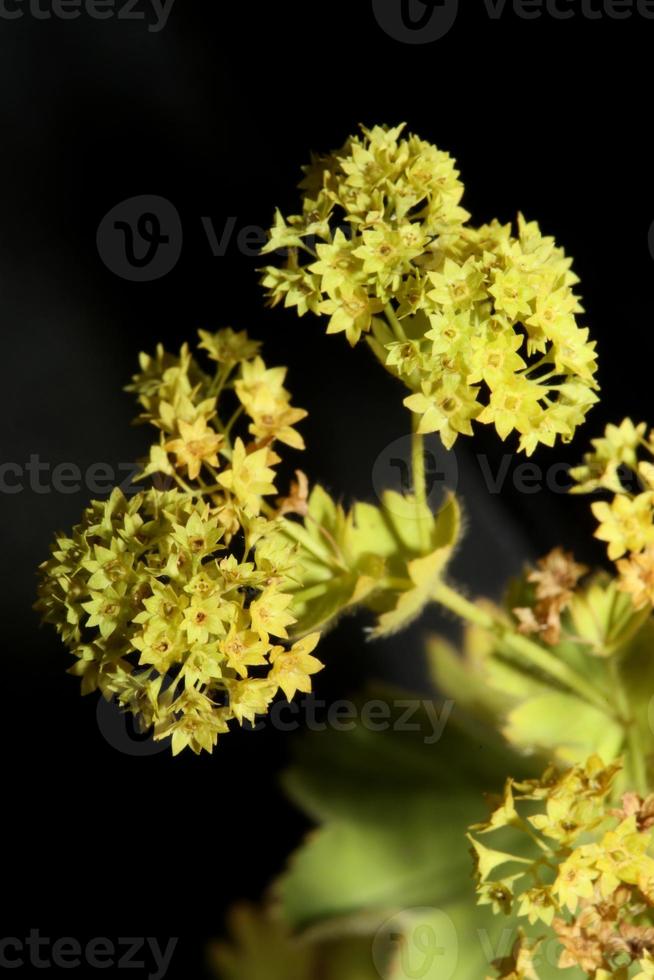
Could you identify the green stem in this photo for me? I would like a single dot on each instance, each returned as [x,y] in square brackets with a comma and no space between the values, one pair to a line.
[524,826]
[637,758]
[300,534]
[419,484]
[635,749]
[312,592]
[183,485]
[394,323]
[525,649]
[235,417]
[220,380]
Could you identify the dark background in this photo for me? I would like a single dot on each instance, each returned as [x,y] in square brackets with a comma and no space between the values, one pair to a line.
[216,113]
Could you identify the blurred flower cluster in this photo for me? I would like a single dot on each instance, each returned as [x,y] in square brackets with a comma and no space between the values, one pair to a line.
[616,465]
[589,873]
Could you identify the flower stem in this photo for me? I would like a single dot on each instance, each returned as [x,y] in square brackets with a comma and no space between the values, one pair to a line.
[419,484]
[637,758]
[635,750]
[299,533]
[525,649]
[394,323]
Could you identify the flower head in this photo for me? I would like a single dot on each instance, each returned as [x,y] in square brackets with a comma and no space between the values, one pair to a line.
[383,249]
[173,601]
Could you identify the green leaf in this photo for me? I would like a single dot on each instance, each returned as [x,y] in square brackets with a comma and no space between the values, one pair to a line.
[604,616]
[566,727]
[424,574]
[372,556]
[391,848]
[425,570]
[261,947]
[461,678]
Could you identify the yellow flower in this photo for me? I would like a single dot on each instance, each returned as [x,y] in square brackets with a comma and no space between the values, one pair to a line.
[457,286]
[515,404]
[637,577]
[292,669]
[387,252]
[207,615]
[270,613]
[410,270]
[249,698]
[198,444]
[228,346]
[278,424]
[243,648]
[513,293]
[647,967]
[260,388]
[249,477]
[576,877]
[195,723]
[169,599]
[619,445]
[263,396]
[625,523]
[336,263]
[447,409]
[351,311]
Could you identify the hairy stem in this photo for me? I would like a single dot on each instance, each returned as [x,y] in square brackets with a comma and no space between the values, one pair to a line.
[635,748]
[419,484]
[525,649]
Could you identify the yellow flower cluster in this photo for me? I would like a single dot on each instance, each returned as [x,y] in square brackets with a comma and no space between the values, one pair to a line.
[592,876]
[181,400]
[626,523]
[479,323]
[176,601]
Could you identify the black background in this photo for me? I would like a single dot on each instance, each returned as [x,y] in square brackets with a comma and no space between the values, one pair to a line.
[216,113]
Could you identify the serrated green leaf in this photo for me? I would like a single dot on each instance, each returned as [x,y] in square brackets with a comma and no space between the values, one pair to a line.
[424,571]
[372,555]
[564,726]
[604,616]
[261,947]
[394,813]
